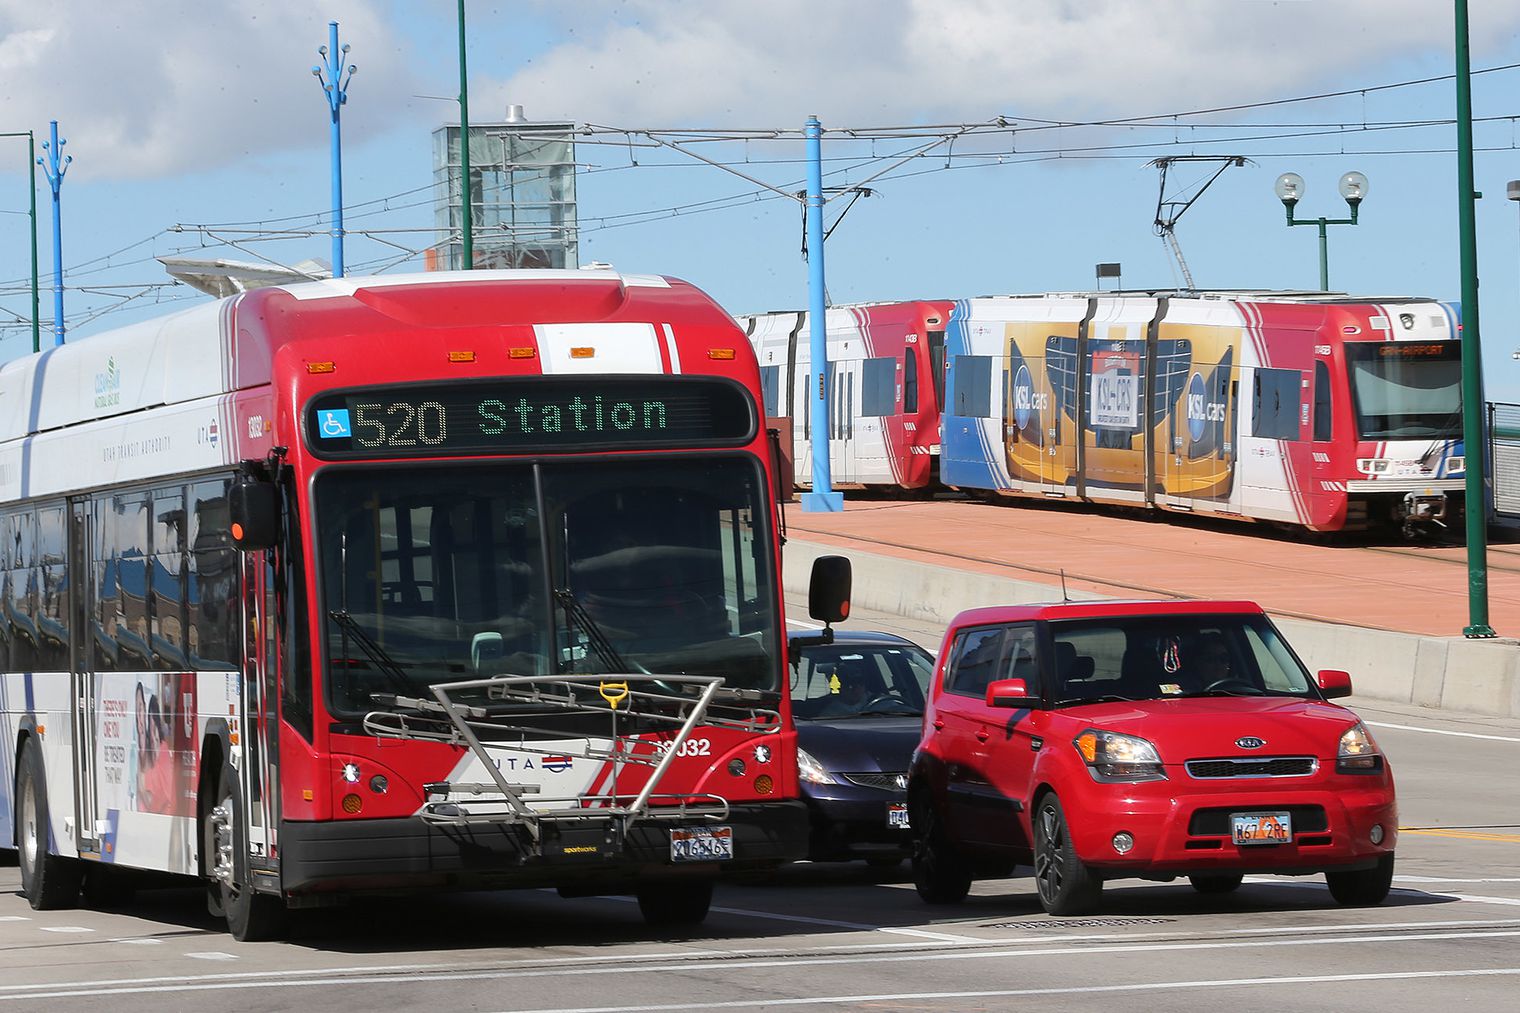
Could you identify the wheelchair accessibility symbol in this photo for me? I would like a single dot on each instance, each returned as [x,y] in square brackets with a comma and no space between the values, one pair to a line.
[332,423]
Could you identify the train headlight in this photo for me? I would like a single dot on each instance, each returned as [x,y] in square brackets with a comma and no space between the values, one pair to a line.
[1372,465]
[1456,464]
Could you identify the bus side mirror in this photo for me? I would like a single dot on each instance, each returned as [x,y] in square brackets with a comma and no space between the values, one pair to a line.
[829,589]
[254,507]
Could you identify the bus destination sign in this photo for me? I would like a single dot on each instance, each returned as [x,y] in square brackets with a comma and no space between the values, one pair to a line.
[528,414]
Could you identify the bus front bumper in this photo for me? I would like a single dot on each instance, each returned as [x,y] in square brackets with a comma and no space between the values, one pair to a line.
[380,855]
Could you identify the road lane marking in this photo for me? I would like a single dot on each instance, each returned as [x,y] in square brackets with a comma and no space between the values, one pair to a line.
[1441,731]
[1469,898]
[14,918]
[791,961]
[1445,879]
[1154,986]
[1462,835]
[65,928]
[212,955]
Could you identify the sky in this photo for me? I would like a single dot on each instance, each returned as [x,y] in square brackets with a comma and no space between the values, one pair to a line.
[185,115]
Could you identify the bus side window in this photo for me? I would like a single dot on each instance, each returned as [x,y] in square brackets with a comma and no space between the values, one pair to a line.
[103,610]
[131,559]
[53,590]
[214,599]
[166,580]
[8,649]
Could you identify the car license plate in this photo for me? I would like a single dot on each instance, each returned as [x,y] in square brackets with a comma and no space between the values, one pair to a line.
[897,815]
[701,844]
[1261,828]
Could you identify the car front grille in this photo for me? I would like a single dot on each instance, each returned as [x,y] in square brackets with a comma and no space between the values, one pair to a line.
[1307,819]
[1253,766]
[885,780]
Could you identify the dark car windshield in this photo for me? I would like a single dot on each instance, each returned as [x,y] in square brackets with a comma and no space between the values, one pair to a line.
[1154,657]
[842,680]
[469,570]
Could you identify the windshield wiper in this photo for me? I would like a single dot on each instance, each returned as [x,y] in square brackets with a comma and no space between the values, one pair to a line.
[376,654]
[1105,698]
[576,615]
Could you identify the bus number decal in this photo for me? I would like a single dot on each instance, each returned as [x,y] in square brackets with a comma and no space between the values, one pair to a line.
[691,747]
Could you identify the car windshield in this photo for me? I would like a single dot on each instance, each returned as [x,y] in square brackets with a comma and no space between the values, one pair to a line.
[1406,389]
[1155,657]
[503,568]
[843,680]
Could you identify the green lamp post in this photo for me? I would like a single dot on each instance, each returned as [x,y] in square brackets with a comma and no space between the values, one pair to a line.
[1290,188]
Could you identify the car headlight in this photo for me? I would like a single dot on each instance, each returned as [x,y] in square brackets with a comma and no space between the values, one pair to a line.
[1357,753]
[810,770]
[1113,758]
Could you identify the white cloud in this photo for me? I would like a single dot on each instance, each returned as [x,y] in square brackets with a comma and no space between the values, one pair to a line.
[669,62]
[156,87]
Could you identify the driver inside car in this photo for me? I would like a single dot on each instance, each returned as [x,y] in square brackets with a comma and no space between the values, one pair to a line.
[1211,662]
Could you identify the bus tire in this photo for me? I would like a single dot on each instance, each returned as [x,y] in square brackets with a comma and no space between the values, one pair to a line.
[251,916]
[676,902]
[50,882]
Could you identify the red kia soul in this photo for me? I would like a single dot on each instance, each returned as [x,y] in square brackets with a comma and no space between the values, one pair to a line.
[1111,740]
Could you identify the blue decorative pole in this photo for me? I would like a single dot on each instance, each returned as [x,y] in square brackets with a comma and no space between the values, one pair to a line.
[331,77]
[54,170]
[823,498]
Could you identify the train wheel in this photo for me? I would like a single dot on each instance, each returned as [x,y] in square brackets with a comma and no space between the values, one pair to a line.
[49,881]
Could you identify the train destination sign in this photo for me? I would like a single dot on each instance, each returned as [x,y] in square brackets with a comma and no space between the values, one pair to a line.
[528,414]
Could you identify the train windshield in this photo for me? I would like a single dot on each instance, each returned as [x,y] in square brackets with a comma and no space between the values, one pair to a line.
[1406,389]
[466,571]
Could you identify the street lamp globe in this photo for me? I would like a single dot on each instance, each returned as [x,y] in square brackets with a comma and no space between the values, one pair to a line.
[1353,187]
[1289,187]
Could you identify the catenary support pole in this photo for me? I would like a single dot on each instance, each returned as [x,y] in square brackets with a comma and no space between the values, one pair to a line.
[466,212]
[335,84]
[1472,358]
[54,168]
[823,497]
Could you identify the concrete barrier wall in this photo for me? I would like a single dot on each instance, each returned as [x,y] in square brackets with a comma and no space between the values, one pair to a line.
[1477,676]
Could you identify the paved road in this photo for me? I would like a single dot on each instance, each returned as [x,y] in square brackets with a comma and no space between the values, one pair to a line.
[838,936]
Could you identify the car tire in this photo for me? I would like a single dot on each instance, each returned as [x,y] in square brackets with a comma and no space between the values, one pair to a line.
[1365,887]
[50,882]
[1224,882]
[940,874]
[1065,884]
[682,902]
[251,916]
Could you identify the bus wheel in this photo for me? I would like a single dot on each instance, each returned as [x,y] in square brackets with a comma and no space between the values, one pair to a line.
[251,916]
[681,902]
[49,881]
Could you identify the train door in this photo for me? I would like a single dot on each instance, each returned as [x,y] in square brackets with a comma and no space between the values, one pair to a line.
[844,410]
[804,391]
[258,731]
[85,694]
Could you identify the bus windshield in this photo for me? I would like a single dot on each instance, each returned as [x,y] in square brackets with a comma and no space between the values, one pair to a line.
[466,571]
[1406,389]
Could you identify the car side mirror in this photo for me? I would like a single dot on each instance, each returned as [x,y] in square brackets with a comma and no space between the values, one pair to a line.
[829,589]
[1010,693]
[1334,683]
[254,509]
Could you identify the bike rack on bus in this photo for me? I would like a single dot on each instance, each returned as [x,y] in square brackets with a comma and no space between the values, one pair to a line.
[632,696]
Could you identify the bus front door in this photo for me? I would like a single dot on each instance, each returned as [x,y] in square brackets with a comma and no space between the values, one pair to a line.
[258,734]
[82,679]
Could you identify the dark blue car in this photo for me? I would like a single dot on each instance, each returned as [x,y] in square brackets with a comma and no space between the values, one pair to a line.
[858,699]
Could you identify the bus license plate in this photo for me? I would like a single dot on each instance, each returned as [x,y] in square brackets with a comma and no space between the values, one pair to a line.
[897,815]
[701,844]
[1261,828]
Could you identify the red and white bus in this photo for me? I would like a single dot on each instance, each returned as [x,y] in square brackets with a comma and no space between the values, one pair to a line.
[449,580]
[885,389]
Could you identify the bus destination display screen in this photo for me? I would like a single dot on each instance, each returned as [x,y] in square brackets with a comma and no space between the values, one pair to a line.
[522,414]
